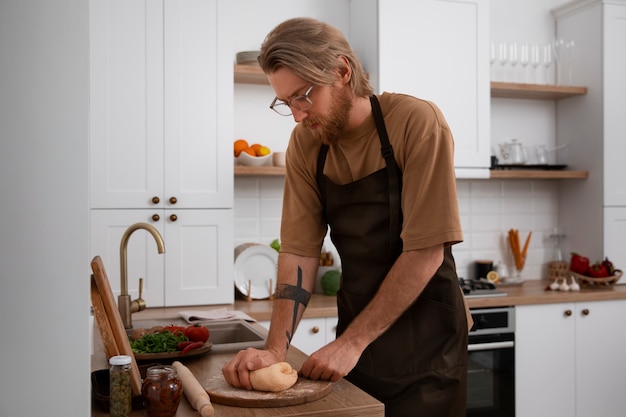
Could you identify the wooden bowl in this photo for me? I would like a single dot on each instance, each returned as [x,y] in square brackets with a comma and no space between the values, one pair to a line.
[593,282]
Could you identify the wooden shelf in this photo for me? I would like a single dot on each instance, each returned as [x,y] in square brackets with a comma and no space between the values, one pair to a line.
[493,174]
[241,170]
[536,174]
[535,91]
[250,74]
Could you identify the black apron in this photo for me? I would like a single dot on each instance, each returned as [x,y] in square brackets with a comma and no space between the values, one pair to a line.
[418,367]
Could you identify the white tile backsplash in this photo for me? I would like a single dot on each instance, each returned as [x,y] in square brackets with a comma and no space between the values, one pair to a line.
[489,208]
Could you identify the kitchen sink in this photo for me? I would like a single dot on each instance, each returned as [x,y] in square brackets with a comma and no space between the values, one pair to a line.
[226,336]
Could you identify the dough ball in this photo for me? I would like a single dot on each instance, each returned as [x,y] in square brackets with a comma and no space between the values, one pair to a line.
[274,378]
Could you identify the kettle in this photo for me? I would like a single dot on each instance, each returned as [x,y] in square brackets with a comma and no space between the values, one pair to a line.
[513,153]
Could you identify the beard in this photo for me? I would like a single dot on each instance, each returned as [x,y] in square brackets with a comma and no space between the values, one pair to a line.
[331,127]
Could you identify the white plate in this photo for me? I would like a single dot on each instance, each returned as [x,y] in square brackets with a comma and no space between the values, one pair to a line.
[257,265]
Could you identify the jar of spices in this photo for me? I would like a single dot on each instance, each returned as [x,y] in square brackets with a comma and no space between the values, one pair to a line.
[161,391]
[119,386]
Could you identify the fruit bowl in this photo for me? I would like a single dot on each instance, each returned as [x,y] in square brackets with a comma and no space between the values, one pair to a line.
[593,282]
[254,161]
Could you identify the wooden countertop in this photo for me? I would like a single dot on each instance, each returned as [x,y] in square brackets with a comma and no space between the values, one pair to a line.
[345,400]
[320,306]
[533,292]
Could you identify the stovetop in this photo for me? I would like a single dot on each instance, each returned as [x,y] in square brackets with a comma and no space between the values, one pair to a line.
[479,288]
[485,293]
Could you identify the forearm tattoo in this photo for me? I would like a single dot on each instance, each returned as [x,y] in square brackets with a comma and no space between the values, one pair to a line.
[299,295]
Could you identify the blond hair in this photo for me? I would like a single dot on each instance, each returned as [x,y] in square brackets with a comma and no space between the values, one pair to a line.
[311,49]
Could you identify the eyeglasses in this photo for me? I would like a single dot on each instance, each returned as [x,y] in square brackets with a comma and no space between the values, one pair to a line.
[300,103]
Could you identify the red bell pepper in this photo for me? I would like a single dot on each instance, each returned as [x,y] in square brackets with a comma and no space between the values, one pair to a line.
[579,264]
[191,346]
[598,270]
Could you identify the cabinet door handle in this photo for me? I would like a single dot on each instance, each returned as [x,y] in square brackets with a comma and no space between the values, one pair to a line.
[568,313]
[585,312]
[173,200]
[156,200]
[173,217]
[156,217]
[315,330]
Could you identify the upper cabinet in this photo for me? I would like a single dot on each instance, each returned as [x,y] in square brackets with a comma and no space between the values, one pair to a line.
[161,104]
[436,50]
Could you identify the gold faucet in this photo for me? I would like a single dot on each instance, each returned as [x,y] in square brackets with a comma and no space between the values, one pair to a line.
[124,303]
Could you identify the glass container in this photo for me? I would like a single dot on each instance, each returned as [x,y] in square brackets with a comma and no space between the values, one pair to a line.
[161,391]
[119,383]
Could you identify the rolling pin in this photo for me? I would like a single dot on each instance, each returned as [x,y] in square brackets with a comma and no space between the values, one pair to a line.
[196,395]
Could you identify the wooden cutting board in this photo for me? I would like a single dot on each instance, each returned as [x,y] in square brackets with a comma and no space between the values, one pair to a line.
[115,320]
[102,319]
[302,392]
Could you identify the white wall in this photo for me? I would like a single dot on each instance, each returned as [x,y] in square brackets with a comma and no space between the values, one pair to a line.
[488,208]
[44,265]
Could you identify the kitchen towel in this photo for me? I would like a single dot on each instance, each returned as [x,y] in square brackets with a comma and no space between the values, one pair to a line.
[200,316]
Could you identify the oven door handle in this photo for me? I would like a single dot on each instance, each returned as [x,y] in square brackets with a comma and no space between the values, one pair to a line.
[490,346]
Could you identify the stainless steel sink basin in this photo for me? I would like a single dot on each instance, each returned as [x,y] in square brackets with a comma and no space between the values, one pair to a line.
[226,336]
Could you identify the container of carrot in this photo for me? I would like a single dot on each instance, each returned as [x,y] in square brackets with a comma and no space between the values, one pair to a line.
[519,253]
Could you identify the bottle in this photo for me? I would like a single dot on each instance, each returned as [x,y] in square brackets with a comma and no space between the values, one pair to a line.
[162,390]
[119,382]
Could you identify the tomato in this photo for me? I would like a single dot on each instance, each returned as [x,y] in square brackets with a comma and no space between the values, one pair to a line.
[197,333]
[175,330]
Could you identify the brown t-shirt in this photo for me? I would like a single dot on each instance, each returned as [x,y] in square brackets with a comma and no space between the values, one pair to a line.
[424,150]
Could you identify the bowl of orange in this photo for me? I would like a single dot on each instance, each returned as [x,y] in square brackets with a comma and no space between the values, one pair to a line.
[251,155]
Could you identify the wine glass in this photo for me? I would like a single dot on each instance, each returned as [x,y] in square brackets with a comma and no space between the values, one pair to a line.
[524,60]
[513,60]
[559,50]
[503,59]
[535,59]
[567,63]
[547,62]
[492,60]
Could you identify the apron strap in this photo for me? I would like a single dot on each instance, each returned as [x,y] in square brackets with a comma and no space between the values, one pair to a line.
[395,182]
[321,161]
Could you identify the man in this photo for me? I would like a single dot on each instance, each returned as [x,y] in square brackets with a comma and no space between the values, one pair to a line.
[385,185]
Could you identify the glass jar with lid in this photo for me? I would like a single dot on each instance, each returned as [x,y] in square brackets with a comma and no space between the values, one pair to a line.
[161,391]
[119,386]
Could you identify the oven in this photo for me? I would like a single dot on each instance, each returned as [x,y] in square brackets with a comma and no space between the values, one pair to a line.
[491,364]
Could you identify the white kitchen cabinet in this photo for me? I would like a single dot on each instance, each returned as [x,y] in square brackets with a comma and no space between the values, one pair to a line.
[312,333]
[569,359]
[436,50]
[161,104]
[195,268]
[594,127]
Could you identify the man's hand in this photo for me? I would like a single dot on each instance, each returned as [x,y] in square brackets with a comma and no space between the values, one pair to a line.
[332,362]
[237,371]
